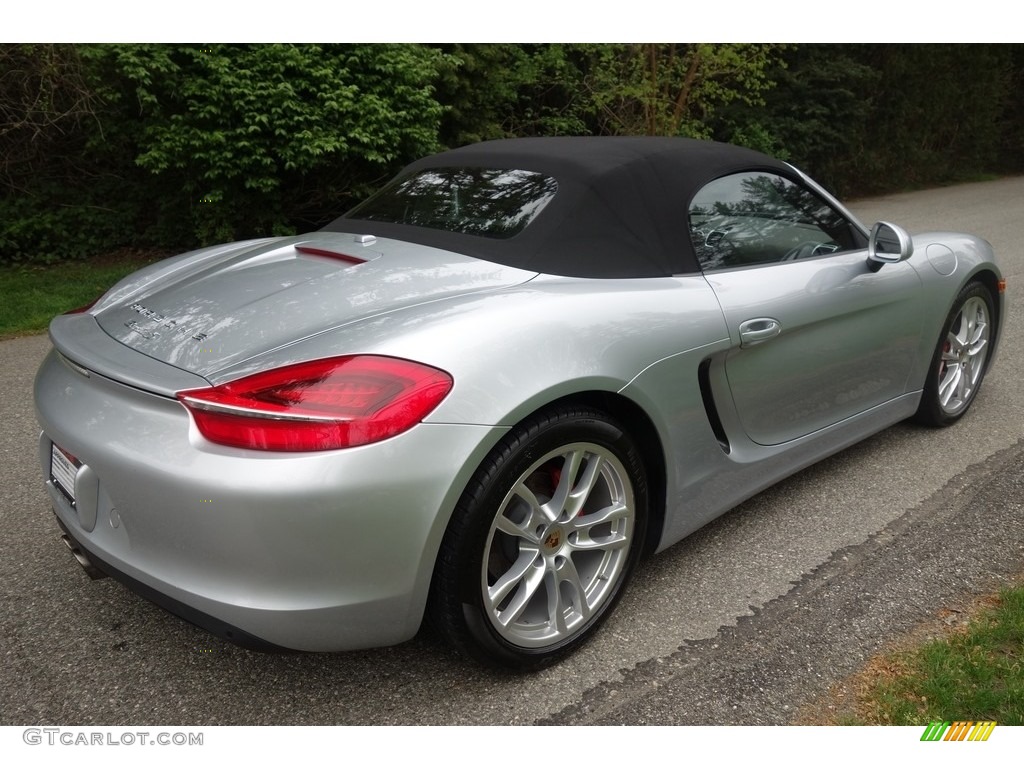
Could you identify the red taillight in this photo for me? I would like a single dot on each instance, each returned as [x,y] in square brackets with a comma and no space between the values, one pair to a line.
[321,405]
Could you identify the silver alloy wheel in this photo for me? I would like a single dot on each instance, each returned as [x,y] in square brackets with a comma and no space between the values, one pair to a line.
[558,545]
[963,356]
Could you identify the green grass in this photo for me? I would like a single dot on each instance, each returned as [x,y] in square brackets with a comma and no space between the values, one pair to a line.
[974,674]
[31,296]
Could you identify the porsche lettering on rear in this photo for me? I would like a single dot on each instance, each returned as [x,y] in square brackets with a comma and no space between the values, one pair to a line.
[160,323]
[149,313]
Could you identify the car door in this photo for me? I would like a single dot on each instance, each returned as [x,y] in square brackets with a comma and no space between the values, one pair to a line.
[817,335]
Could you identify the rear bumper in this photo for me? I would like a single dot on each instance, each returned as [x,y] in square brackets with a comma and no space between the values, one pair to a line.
[211,624]
[324,551]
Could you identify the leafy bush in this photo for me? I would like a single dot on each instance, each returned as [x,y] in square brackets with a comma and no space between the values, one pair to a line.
[254,139]
[866,119]
[181,145]
[44,231]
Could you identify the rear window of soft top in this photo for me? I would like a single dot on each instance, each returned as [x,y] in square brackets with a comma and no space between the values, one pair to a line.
[488,202]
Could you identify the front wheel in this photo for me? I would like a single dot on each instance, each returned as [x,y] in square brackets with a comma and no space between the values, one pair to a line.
[960,359]
[543,540]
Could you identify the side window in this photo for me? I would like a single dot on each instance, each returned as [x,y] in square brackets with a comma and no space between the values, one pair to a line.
[760,218]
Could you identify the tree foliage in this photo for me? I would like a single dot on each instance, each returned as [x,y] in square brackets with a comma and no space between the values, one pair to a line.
[673,89]
[56,199]
[178,145]
[503,91]
[249,138]
[44,104]
[872,118]
[573,89]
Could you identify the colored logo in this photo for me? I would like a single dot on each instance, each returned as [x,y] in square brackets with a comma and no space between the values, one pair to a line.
[961,730]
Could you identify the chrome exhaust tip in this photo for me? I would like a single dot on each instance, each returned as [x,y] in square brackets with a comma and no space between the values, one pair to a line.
[91,570]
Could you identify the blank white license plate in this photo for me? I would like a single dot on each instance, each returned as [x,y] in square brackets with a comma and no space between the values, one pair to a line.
[63,468]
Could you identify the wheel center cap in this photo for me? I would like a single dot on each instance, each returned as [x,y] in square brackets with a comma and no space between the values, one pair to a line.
[553,539]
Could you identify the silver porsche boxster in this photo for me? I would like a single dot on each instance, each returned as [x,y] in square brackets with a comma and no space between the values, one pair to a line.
[482,394]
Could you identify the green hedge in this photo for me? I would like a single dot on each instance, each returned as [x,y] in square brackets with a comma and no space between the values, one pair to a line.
[175,146]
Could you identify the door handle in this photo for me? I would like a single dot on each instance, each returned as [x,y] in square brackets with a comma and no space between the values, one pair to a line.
[758,330]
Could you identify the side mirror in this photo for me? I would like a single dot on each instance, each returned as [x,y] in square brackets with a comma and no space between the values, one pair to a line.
[888,244]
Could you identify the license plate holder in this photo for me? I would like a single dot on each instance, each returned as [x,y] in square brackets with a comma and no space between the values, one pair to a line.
[63,469]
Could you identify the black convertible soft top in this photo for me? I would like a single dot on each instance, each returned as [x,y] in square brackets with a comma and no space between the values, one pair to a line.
[620,209]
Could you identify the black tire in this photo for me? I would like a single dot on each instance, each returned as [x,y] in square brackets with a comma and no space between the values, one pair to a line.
[534,559]
[960,360]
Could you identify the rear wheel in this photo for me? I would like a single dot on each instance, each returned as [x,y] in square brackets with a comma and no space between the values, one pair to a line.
[543,540]
[960,359]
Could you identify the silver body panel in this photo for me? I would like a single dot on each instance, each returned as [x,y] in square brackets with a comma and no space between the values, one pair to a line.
[335,550]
